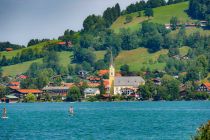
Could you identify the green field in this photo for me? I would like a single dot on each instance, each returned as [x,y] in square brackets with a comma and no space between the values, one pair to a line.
[65,58]
[37,46]
[18,68]
[139,58]
[162,15]
[184,50]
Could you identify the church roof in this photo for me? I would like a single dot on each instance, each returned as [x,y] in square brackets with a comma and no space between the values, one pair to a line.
[128,81]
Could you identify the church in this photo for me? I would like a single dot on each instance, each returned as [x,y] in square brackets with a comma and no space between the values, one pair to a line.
[123,85]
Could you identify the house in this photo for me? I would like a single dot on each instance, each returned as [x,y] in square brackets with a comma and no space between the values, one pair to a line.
[56,90]
[67,43]
[93,79]
[13,86]
[157,81]
[10,99]
[204,87]
[22,77]
[127,85]
[88,92]
[23,92]
[82,73]
[103,72]
[9,49]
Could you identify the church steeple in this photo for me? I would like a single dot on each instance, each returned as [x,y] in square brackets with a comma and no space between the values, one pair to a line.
[111,74]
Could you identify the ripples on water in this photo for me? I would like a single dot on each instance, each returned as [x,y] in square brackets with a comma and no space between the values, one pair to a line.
[105,120]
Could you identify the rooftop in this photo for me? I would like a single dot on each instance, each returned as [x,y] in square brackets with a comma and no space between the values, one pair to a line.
[128,81]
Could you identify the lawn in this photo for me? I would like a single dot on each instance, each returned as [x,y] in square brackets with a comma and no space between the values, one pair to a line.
[37,46]
[184,50]
[65,58]
[18,68]
[139,58]
[162,15]
[99,54]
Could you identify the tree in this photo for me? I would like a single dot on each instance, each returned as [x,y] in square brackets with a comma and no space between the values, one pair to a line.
[139,14]
[102,87]
[203,133]
[174,23]
[149,12]
[30,98]
[73,94]
[124,69]
[128,19]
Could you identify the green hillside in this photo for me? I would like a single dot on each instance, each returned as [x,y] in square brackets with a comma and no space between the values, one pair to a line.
[139,58]
[18,68]
[65,58]
[37,46]
[162,15]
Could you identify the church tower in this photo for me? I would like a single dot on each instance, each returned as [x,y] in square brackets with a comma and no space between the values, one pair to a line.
[111,75]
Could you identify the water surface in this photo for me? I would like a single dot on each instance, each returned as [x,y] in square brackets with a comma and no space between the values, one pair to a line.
[104,120]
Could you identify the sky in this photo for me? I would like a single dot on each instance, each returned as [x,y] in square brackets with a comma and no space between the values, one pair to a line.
[22,20]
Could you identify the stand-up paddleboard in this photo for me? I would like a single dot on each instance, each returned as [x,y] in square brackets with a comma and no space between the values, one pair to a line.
[4,117]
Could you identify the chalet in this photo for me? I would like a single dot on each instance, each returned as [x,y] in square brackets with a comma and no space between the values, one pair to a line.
[10,99]
[93,79]
[23,92]
[82,73]
[157,81]
[67,43]
[13,86]
[21,77]
[88,92]
[9,49]
[205,87]
[56,90]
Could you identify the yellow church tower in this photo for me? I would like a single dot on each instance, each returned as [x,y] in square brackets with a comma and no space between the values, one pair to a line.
[111,75]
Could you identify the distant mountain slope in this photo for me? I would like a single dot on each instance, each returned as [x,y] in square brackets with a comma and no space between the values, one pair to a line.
[161,15]
[37,46]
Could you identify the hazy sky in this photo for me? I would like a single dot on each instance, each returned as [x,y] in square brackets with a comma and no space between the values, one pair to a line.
[22,20]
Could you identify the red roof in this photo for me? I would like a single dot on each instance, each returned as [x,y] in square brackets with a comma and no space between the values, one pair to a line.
[103,72]
[70,85]
[207,85]
[61,43]
[106,83]
[14,87]
[9,49]
[93,84]
[14,83]
[91,78]
[23,76]
[26,91]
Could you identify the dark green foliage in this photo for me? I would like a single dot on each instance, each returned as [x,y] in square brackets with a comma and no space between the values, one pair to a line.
[73,94]
[124,70]
[36,41]
[174,23]
[148,12]
[111,14]
[4,45]
[94,24]
[128,19]
[129,40]
[203,133]
[102,88]
[82,54]
[199,9]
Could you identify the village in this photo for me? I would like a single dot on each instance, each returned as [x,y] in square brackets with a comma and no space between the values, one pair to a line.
[113,85]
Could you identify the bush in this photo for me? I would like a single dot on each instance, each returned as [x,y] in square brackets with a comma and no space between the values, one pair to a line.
[30,98]
[203,133]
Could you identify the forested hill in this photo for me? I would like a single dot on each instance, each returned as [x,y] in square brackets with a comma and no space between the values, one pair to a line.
[147,46]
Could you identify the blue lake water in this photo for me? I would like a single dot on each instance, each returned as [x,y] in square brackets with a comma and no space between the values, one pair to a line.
[104,120]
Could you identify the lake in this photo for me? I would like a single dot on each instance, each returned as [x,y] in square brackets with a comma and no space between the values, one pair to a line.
[104,120]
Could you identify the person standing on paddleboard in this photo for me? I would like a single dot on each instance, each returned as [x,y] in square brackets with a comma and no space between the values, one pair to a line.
[71,110]
[4,112]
